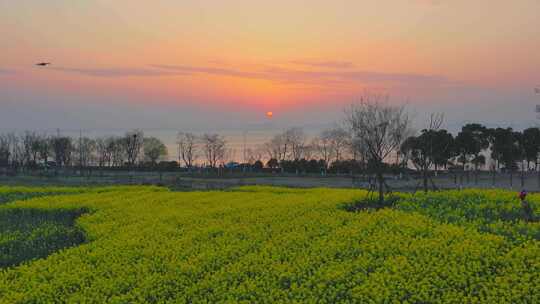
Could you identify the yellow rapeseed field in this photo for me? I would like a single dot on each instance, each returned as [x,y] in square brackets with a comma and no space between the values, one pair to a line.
[266,245]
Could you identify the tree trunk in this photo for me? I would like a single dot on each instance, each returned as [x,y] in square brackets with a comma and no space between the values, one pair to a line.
[380,179]
[476,174]
[425,177]
[511,179]
[538,179]
[522,176]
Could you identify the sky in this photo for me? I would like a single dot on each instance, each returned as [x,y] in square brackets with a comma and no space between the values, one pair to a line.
[219,66]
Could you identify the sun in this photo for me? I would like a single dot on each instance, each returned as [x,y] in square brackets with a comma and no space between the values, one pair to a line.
[269,114]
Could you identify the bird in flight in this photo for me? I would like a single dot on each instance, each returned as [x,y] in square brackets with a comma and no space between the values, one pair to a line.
[43,64]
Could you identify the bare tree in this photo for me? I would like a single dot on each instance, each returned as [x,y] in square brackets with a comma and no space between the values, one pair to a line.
[214,148]
[62,148]
[337,140]
[254,154]
[154,149]
[133,142]
[117,150]
[17,151]
[228,156]
[104,151]
[187,148]
[295,138]
[277,147]
[309,151]
[321,145]
[31,147]
[44,147]
[380,128]
[86,148]
[5,150]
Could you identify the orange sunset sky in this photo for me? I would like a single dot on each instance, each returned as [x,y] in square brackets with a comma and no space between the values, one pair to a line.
[224,64]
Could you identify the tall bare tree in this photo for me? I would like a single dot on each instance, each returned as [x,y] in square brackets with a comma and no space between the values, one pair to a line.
[380,128]
[86,148]
[187,148]
[133,142]
[214,147]
[104,151]
[62,149]
[6,144]
[337,139]
[44,147]
[117,150]
[296,140]
[277,147]
[309,151]
[31,147]
[321,145]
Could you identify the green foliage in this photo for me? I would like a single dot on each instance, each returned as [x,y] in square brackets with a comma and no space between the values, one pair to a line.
[531,144]
[473,139]
[505,147]
[27,233]
[276,245]
[8,194]
[494,211]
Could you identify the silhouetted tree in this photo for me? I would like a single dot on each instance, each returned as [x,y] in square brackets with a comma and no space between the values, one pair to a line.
[380,128]
[132,143]
[62,147]
[214,148]
[321,144]
[154,149]
[103,152]
[531,146]
[277,147]
[257,166]
[421,151]
[296,140]
[443,148]
[31,147]
[469,143]
[187,148]
[272,163]
[505,148]
[117,151]
[85,148]
[6,145]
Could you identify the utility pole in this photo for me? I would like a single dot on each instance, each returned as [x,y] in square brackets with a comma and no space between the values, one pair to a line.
[244,147]
[537,92]
[80,152]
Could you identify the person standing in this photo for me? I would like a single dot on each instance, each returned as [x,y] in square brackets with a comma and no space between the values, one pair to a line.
[527,211]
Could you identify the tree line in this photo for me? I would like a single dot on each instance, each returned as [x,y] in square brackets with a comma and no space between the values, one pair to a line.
[335,150]
[31,150]
[374,137]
